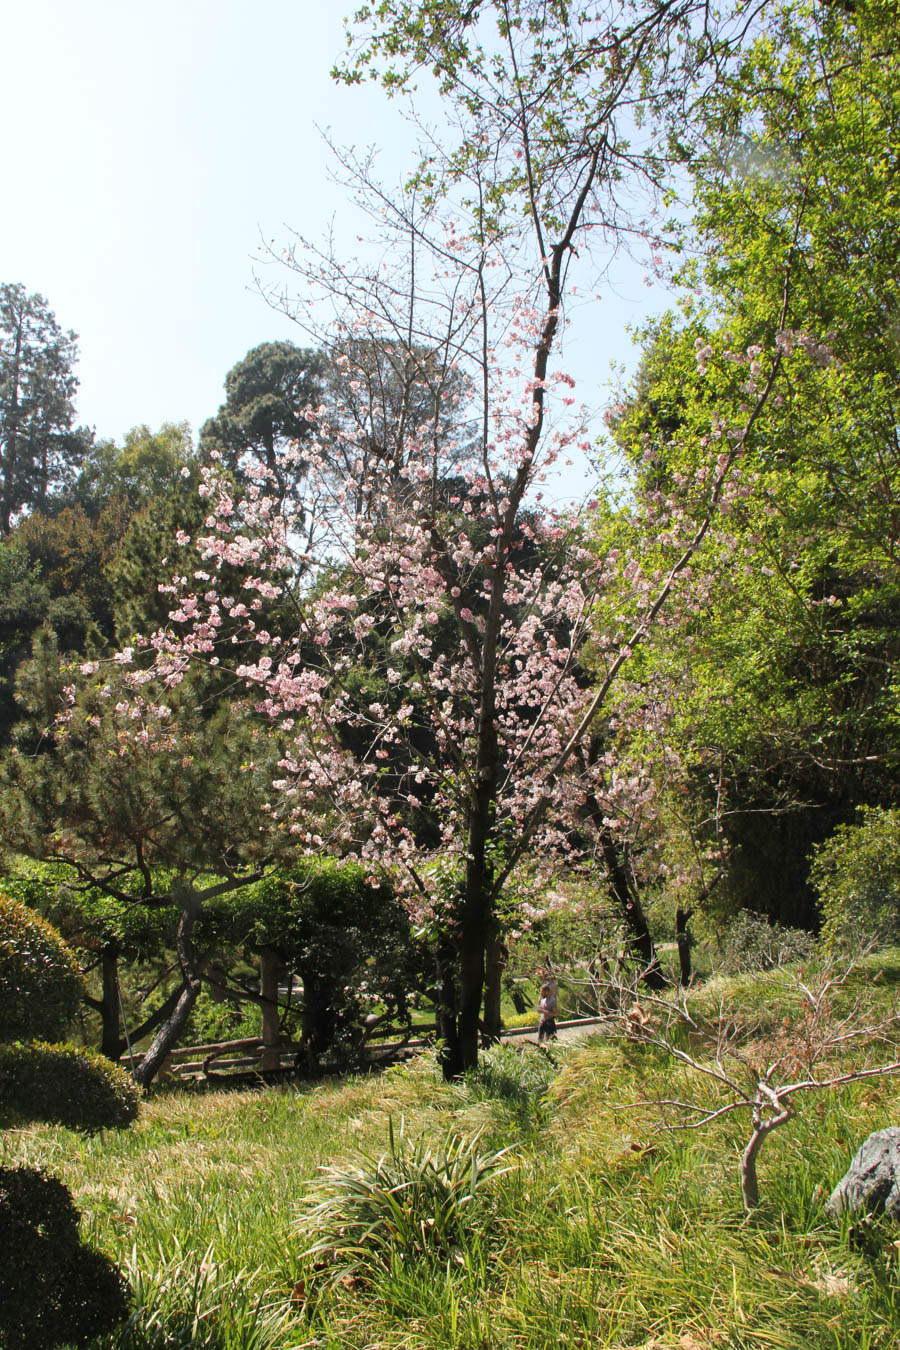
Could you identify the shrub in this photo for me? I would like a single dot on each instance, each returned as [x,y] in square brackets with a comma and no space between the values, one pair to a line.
[65,1085]
[53,1290]
[752,943]
[40,983]
[349,942]
[856,874]
[416,1200]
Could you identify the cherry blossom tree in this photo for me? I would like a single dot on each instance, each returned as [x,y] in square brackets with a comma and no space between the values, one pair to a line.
[439,720]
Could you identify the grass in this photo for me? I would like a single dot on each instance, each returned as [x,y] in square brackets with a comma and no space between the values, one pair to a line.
[606,1231]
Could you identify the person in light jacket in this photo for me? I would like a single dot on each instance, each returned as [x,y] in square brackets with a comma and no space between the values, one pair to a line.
[547,1011]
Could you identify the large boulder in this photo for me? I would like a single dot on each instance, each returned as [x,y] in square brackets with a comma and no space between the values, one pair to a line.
[872,1181]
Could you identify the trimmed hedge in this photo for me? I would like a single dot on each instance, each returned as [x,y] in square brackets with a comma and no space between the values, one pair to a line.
[53,1290]
[65,1085]
[40,983]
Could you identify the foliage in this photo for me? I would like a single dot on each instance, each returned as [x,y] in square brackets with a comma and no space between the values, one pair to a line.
[517,1075]
[416,1201]
[856,875]
[214,1019]
[184,1298]
[29,601]
[607,1231]
[777,675]
[40,983]
[149,808]
[53,1290]
[348,940]
[66,1085]
[119,796]
[266,397]
[750,942]
[835,1034]
[154,476]
[39,449]
[87,919]
[432,688]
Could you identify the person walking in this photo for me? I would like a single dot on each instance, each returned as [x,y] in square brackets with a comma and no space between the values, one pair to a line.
[547,1011]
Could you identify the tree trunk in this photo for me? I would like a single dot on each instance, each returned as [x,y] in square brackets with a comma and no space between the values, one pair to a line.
[269,966]
[110,1038]
[319,1021]
[639,939]
[471,986]
[171,1029]
[150,1023]
[495,964]
[683,942]
[445,1016]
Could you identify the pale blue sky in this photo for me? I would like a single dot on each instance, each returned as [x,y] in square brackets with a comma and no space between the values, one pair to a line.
[149,148]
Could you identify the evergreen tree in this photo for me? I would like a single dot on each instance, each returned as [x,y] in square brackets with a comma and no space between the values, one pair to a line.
[260,429]
[39,449]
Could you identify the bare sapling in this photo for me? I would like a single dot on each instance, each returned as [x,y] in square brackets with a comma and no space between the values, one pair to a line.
[758,1071]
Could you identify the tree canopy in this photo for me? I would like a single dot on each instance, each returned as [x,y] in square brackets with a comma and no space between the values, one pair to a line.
[39,447]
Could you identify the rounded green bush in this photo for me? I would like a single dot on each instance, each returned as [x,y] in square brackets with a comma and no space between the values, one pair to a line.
[53,1290]
[40,983]
[65,1085]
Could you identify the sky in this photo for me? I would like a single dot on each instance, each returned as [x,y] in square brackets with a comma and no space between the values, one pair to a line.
[153,150]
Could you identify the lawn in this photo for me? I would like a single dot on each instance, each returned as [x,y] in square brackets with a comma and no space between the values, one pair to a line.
[596,1228]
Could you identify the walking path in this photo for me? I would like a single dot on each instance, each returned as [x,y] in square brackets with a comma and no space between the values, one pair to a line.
[565,1031]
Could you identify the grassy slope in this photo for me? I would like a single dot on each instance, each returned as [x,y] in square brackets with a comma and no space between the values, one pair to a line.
[606,1232]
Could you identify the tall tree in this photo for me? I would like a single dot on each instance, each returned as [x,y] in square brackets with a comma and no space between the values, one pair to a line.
[478,638]
[261,427]
[783,681]
[39,449]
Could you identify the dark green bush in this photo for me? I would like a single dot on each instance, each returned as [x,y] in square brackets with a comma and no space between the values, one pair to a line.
[40,983]
[350,944]
[65,1085]
[53,1290]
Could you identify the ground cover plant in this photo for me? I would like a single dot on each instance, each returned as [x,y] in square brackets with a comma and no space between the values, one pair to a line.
[596,1228]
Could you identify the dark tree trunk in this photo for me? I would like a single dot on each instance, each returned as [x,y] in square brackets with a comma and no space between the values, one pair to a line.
[640,942]
[495,964]
[319,1020]
[471,988]
[683,942]
[110,1037]
[150,1023]
[445,1016]
[168,1034]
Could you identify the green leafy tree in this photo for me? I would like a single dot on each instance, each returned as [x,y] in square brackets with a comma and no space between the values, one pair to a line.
[89,563]
[540,102]
[39,447]
[349,942]
[856,874]
[786,706]
[260,429]
[152,814]
[106,934]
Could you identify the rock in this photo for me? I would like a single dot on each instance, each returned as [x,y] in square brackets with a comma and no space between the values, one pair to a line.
[872,1181]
